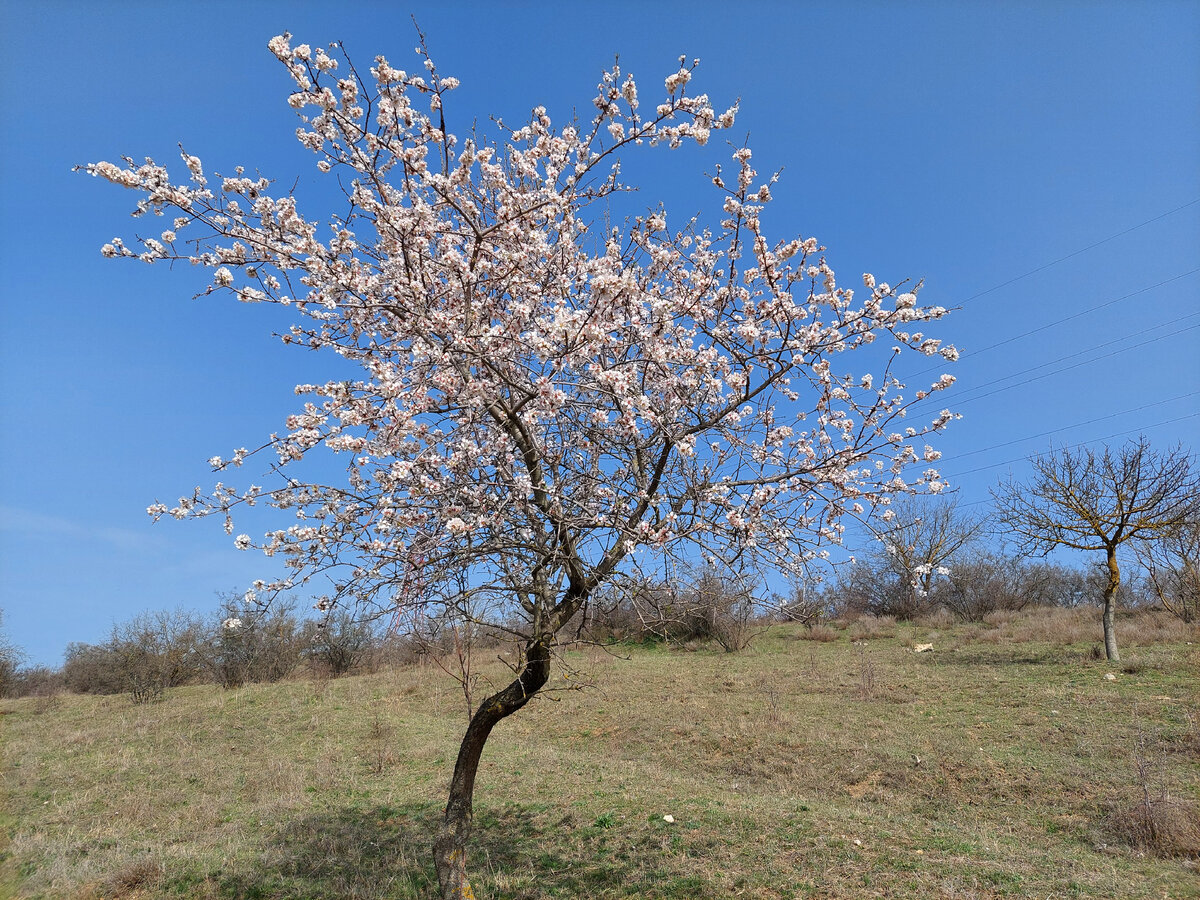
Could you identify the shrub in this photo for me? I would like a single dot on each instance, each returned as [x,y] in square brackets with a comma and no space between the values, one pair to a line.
[37,681]
[870,628]
[806,604]
[1055,625]
[1172,566]
[638,609]
[1158,822]
[820,633]
[867,588]
[1165,826]
[154,651]
[248,643]
[721,608]
[982,583]
[10,660]
[145,656]
[705,606]
[338,644]
[90,669]
[130,879]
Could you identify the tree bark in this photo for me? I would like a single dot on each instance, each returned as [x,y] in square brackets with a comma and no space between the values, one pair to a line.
[450,845]
[1110,607]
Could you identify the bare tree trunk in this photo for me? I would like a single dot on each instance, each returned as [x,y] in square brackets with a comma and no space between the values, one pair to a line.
[450,846]
[1110,607]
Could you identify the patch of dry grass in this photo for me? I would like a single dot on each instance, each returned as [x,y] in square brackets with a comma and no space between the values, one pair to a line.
[819,632]
[872,628]
[1167,826]
[796,769]
[1056,625]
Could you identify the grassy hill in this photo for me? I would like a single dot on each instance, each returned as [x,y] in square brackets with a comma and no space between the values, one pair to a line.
[1001,764]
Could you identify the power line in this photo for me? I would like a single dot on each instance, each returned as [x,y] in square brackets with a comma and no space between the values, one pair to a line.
[1032,437]
[1009,387]
[1102,346]
[1077,445]
[1083,312]
[1081,250]
[1067,447]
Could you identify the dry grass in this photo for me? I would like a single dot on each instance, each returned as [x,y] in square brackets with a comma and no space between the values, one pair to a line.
[819,632]
[1163,825]
[871,628]
[130,879]
[800,770]
[1082,626]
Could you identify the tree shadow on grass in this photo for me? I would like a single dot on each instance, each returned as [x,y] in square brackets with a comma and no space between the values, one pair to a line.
[516,852]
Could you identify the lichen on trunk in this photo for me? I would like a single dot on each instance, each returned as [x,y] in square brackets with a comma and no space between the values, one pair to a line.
[1110,606]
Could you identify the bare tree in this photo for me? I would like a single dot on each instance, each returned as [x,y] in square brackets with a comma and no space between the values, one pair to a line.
[1085,500]
[1172,564]
[916,545]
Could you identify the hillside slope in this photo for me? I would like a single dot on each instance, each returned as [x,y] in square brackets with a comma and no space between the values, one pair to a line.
[990,767]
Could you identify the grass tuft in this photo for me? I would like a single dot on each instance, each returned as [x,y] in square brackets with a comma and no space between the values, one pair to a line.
[1165,826]
[129,879]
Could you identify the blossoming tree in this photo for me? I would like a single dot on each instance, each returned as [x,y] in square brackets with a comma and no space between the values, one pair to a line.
[543,399]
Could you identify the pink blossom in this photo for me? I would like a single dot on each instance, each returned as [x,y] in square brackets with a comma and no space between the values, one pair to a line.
[526,393]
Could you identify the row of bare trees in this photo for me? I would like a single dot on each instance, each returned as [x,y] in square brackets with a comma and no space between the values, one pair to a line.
[242,643]
[237,644]
[1131,503]
[930,555]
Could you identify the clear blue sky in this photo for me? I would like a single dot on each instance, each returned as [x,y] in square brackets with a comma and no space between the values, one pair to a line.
[964,143]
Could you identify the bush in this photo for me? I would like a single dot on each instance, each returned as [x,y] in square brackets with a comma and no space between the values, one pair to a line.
[868,588]
[707,606]
[247,643]
[37,681]
[155,651]
[1165,826]
[901,572]
[870,628]
[10,660]
[338,644]
[1172,567]
[145,656]
[807,605]
[819,632]
[90,669]
[983,583]
[632,610]
[720,608]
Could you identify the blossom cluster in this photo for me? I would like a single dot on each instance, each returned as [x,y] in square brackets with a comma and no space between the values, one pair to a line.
[542,396]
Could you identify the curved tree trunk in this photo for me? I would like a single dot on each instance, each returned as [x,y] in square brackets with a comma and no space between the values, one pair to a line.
[1110,607]
[450,846]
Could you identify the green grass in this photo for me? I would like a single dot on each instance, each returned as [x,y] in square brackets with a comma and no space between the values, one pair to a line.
[797,769]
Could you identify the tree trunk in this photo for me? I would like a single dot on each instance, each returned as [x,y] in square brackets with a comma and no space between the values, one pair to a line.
[450,846]
[1110,607]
